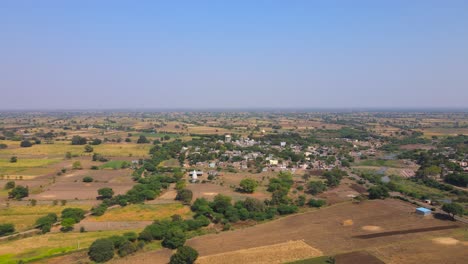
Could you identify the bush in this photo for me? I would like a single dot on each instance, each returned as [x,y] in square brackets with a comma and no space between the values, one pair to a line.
[99,210]
[142,140]
[316,203]
[25,144]
[184,195]
[127,248]
[106,192]
[9,185]
[77,140]
[184,255]
[6,229]
[13,159]
[45,223]
[284,209]
[88,179]
[88,149]
[378,192]
[18,192]
[316,187]
[248,185]
[67,224]
[101,250]
[77,214]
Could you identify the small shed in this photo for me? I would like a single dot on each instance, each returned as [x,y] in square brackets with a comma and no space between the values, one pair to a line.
[423,211]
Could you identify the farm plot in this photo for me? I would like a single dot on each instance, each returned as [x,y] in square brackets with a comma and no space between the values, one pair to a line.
[210,190]
[325,229]
[24,216]
[71,185]
[142,212]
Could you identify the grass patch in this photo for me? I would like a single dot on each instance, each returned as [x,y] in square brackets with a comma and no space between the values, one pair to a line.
[143,212]
[49,245]
[113,164]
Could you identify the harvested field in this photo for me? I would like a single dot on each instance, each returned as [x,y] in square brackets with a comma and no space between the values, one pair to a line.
[323,229]
[278,253]
[159,256]
[403,232]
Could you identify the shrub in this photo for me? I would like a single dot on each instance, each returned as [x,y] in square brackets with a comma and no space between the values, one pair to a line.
[284,209]
[45,223]
[88,149]
[316,187]
[184,255]
[6,229]
[101,250]
[248,185]
[88,179]
[13,159]
[184,195]
[77,214]
[25,144]
[67,224]
[378,192]
[316,203]
[127,248]
[106,192]
[77,140]
[18,192]
[9,185]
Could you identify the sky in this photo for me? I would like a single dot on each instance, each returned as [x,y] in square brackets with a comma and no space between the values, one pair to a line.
[233,54]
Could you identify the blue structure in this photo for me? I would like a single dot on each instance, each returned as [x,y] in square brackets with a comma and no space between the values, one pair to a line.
[423,211]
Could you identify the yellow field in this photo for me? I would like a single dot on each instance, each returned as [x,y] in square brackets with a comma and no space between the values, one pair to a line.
[26,166]
[143,212]
[61,147]
[48,245]
[24,217]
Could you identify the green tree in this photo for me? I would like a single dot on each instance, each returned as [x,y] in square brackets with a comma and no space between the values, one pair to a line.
[142,140]
[19,192]
[67,224]
[378,192]
[174,238]
[184,255]
[25,144]
[185,196]
[106,192]
[248,185]
[453,209]
[221,203]
[101,250]
[316,187]
[88,179]
[77,214]
[13,159]
[77,140]
[6,229]
[127,248]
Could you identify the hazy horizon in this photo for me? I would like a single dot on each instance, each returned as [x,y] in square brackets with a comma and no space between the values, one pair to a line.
[63,55]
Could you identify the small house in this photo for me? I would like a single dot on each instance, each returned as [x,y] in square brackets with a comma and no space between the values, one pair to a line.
[423,211]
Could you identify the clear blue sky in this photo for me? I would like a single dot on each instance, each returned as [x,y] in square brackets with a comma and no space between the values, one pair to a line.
[233,54]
